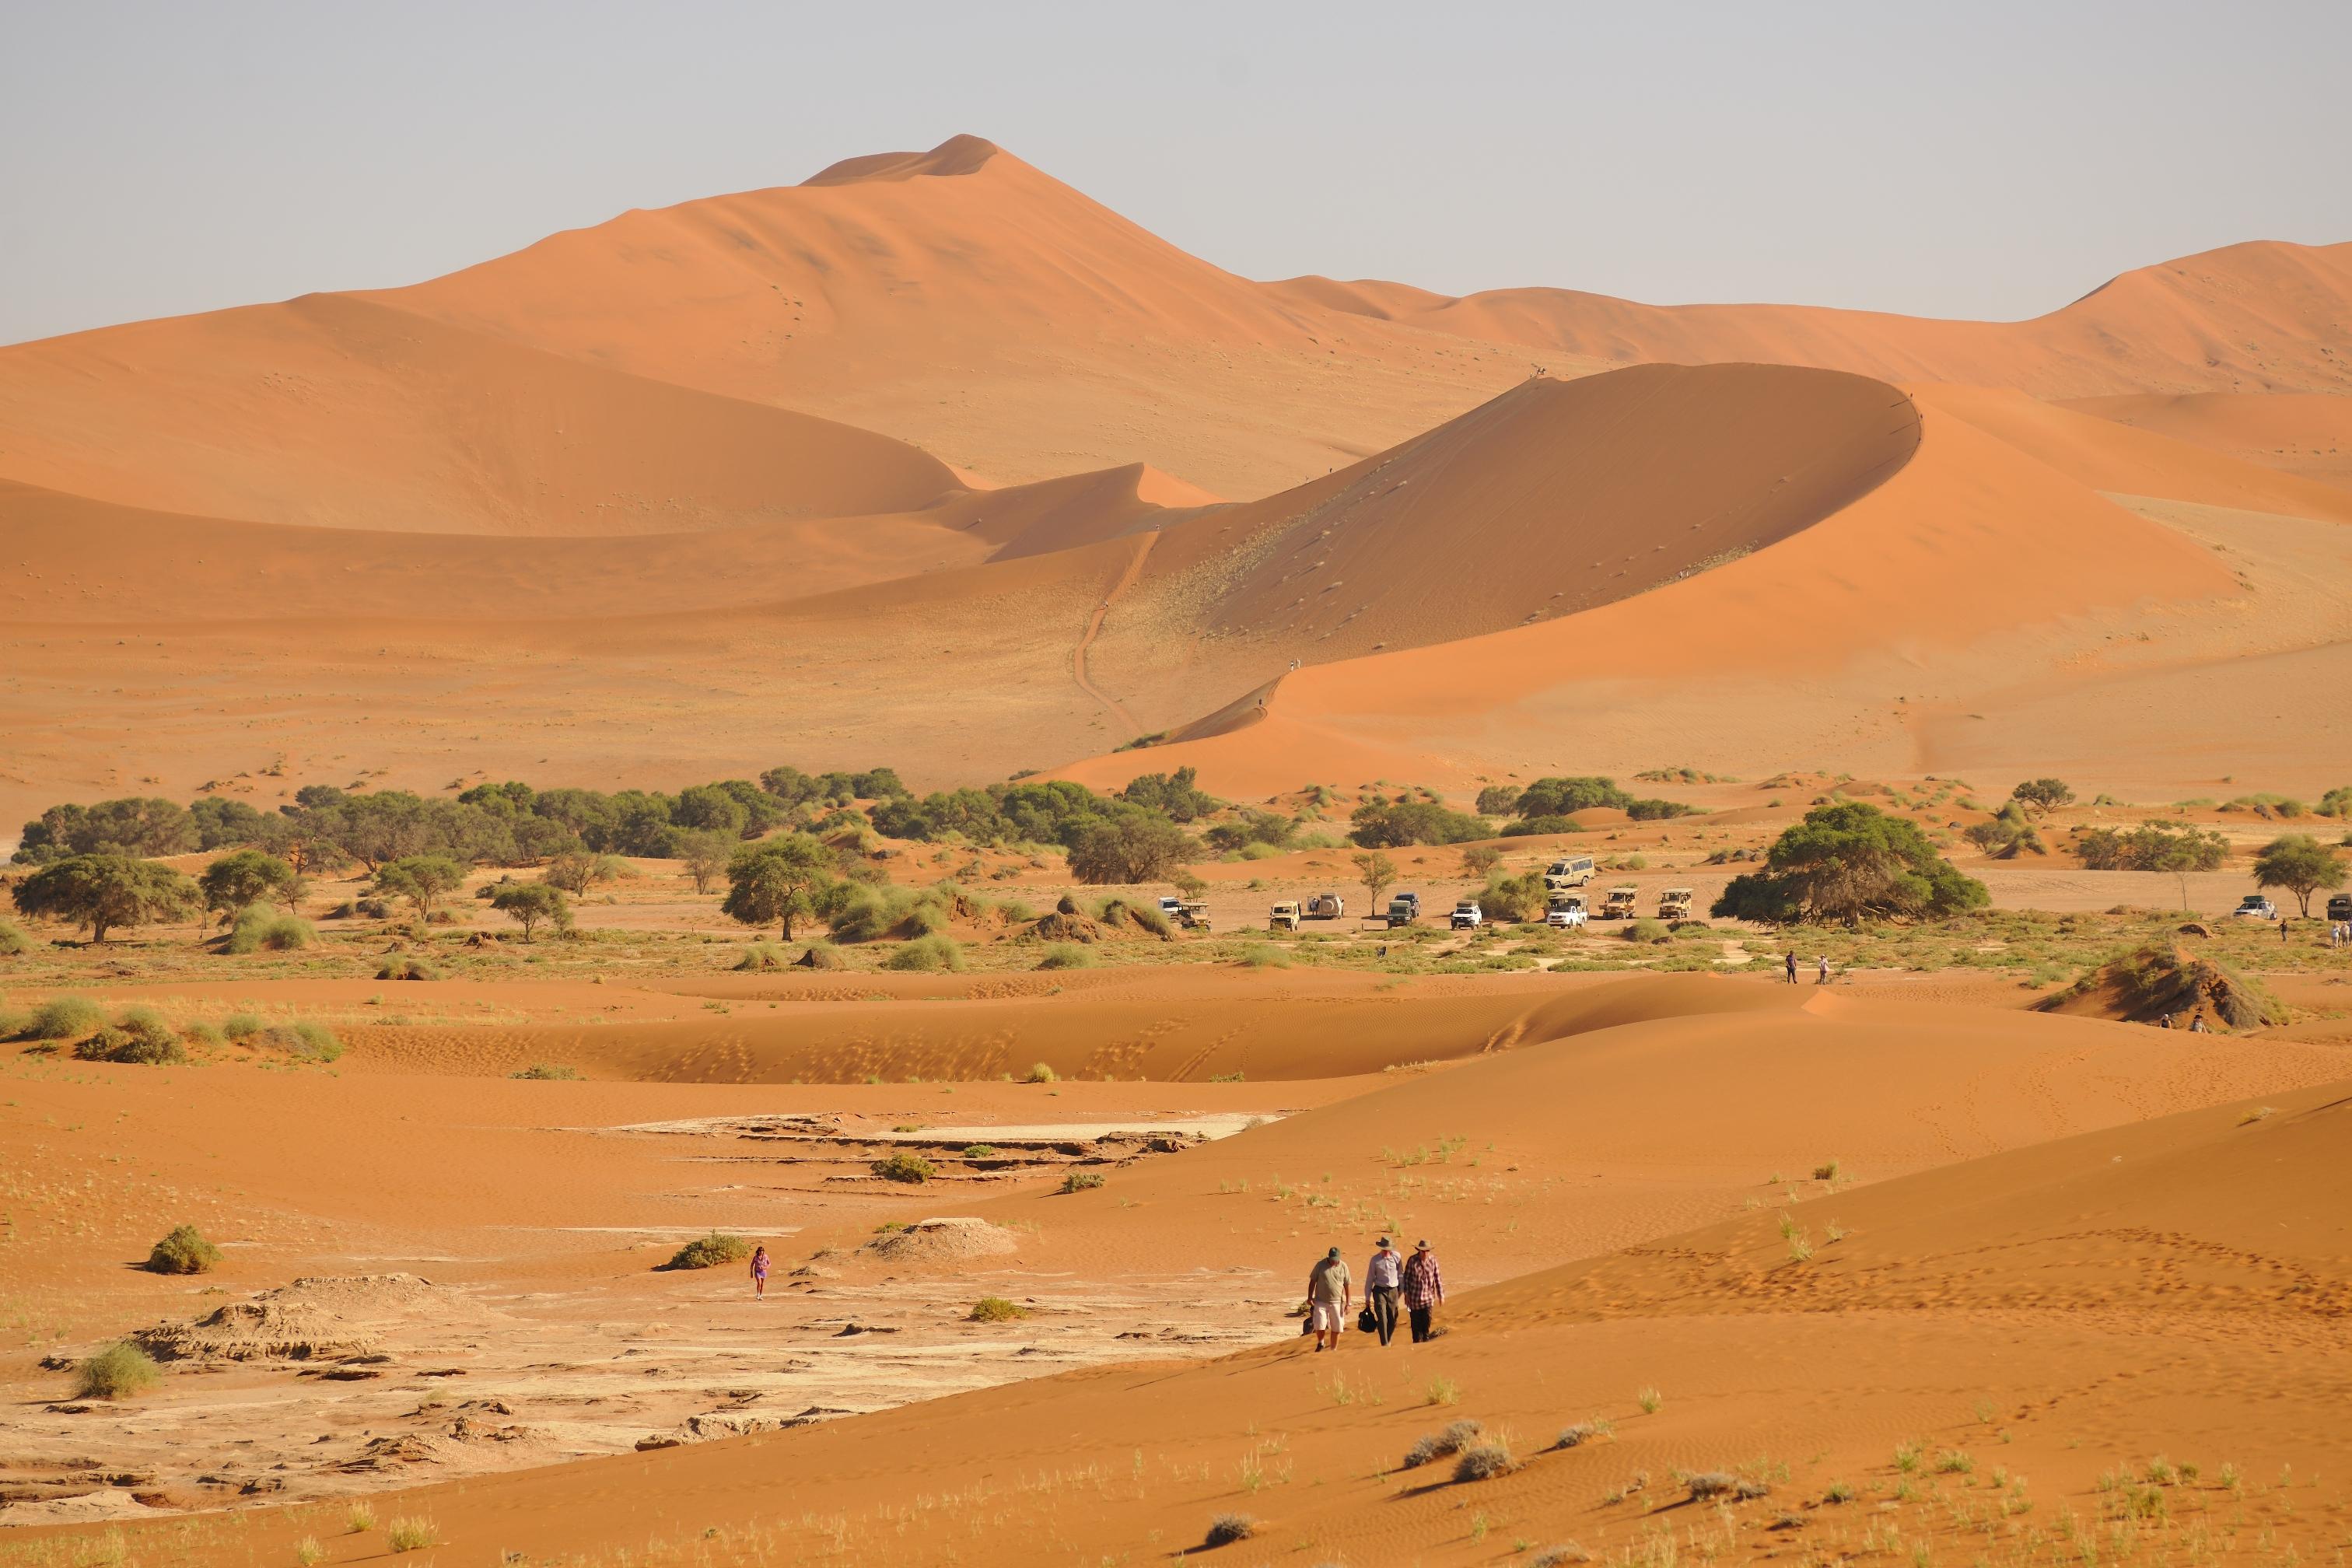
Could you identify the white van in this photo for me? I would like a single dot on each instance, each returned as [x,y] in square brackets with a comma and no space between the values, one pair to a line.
[1569,872]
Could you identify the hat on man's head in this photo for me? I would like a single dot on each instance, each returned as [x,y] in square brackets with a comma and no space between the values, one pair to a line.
[1384,1241]
[1421,1246]
[1333,1253]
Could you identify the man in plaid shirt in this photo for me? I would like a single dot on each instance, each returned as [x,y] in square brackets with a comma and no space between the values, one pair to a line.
[1425,1288]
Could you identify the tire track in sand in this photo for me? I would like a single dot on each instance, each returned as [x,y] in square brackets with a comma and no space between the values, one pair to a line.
[1144,542]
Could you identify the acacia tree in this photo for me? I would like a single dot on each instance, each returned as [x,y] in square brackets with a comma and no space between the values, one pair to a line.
[1847,861]
[103,892]
[706,852]
[1132,846]
[2302,865]
[423,880]
[246,877]
[533,904]
[2043,794]
[1378,873]
[778,881]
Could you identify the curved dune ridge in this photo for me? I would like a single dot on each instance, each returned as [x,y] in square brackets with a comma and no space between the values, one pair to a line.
[2265,315]
[1551,499]
[333,411]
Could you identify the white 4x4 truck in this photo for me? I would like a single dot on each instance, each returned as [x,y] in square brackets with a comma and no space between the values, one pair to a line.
[1468,916]
[1565,913]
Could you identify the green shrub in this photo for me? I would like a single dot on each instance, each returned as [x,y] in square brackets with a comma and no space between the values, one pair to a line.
[710,1251]
[112,1044]
[260,929]
[1648,930]
[1067,955]
[203,1033]
[761,956]
[148,1028]
[242,1026]
[996,1309]
[548,1072]
[118,1372]
[925,954]
[407,969]
[64,1018]
[184,1251]
[1263,955]
[14,942]
[1081,1180]
[1040,1073]
[904,1167]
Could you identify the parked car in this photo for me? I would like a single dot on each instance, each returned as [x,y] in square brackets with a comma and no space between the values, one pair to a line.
[1173,908]
[2254,907]
[1566,912]
[2340,907]
[1468,916]
[1569,872]
[1674,904]
[1404,909]
[1193,916]
[1622,903]
[1284,917]
[1325,907]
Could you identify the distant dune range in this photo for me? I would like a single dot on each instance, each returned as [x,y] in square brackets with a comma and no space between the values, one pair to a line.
[922,461]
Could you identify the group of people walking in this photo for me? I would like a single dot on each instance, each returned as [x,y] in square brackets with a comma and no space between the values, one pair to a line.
[1390,1280]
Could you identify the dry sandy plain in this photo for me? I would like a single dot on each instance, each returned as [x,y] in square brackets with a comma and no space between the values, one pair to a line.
[931,461]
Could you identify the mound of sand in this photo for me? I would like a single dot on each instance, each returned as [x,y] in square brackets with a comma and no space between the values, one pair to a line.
[324,1318]
[940,1241]
[2154,983]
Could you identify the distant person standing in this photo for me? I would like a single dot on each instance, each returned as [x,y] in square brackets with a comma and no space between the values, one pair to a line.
[1822,975]
[1329,1297]
[1792,962]
[1383,1276]
[760,1273]
[1423,1289]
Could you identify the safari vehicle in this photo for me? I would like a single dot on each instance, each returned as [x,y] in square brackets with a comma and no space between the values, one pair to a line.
[1192,916]
[1621,904]
[1173,908]
[2340,907]
[1569,872]
[1674,904]
[1325,907]
[2254,907]
[1404,909]
[1565,911]
[1284,917]
[1468,916]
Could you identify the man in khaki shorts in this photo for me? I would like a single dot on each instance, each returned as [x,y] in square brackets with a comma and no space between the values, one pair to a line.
[1328,1297]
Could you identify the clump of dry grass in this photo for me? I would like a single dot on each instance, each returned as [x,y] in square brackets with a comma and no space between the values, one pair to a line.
[1484,1461]
[1452,1438]
[996,1309]
[118,1372]
[1228,1528]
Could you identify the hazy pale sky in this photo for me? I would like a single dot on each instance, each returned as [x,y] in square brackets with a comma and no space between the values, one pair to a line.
[1992,160]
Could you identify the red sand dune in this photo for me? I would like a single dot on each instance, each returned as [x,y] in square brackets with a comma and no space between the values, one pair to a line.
[2307,433]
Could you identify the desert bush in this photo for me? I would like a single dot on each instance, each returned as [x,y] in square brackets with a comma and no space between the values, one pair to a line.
[710,1251]
[63,1019]
[1263,955]
[1080,1181]
[1711,1484]
[260,929]
[1580,1433]
[1449,1439]
[1484,1461]
[533,904]
[548,1072]
[202,1033]
[407,969]
[147,1026]
[925,954]
[1647,930]
[1565,1556]
[1067,955]
[762,955]
[1506,898]
[184,1251]
[1131,847]
[307,1039]
[242,1026]
[996,1309]
[1228,1528]
[1150,917]
[1040,1073]
[112,1044]
[14,942]
[118,1372]
[903,1166]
